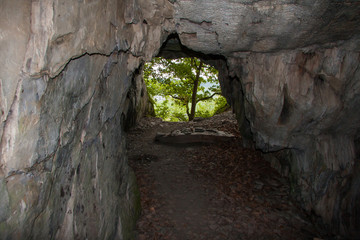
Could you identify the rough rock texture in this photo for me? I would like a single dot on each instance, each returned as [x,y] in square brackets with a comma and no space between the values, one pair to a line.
[228,26]
[306,101]
[70,83]
[196,135]
[294,83]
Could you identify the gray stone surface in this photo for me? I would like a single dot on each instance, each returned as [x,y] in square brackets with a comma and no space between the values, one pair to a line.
[296,93]
[194,135]
[227,27]
[294,83]
[70,84]
[13,41]
[305,101]
[4,201]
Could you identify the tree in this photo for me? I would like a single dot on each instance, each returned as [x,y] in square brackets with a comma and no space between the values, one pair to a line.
[187,80]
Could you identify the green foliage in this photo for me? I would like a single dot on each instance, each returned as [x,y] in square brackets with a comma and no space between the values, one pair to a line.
[178,85]
[162,110]
[221,105]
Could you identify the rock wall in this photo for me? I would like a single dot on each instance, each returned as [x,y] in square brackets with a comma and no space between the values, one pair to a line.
[292,78]
[305,101]
[70,84]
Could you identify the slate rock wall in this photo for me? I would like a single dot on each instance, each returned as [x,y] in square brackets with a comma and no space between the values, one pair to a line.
[70,84]
[292,78]
[305,101]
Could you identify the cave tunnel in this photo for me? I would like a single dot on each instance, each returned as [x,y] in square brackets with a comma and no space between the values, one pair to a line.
[71,85]
[196,180]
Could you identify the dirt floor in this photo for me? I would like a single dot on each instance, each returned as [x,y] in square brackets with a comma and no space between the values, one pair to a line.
[212,191]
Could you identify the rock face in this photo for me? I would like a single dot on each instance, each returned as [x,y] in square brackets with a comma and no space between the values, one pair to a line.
[292,77]
[70,85]
[230,26]
[305,101]
[195,135]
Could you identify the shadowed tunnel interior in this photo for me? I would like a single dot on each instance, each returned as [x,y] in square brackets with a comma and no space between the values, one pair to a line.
[71,85]
[168,175]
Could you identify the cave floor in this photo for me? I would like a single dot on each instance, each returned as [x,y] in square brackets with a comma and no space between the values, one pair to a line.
[212,191]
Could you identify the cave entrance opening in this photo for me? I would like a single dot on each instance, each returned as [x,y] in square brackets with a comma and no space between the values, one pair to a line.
[182,84]
[217,190]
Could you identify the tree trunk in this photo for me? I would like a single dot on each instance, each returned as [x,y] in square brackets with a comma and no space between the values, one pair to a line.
[194,92]
[187,109]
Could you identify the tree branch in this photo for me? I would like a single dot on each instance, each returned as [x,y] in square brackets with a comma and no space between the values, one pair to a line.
[206,98]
